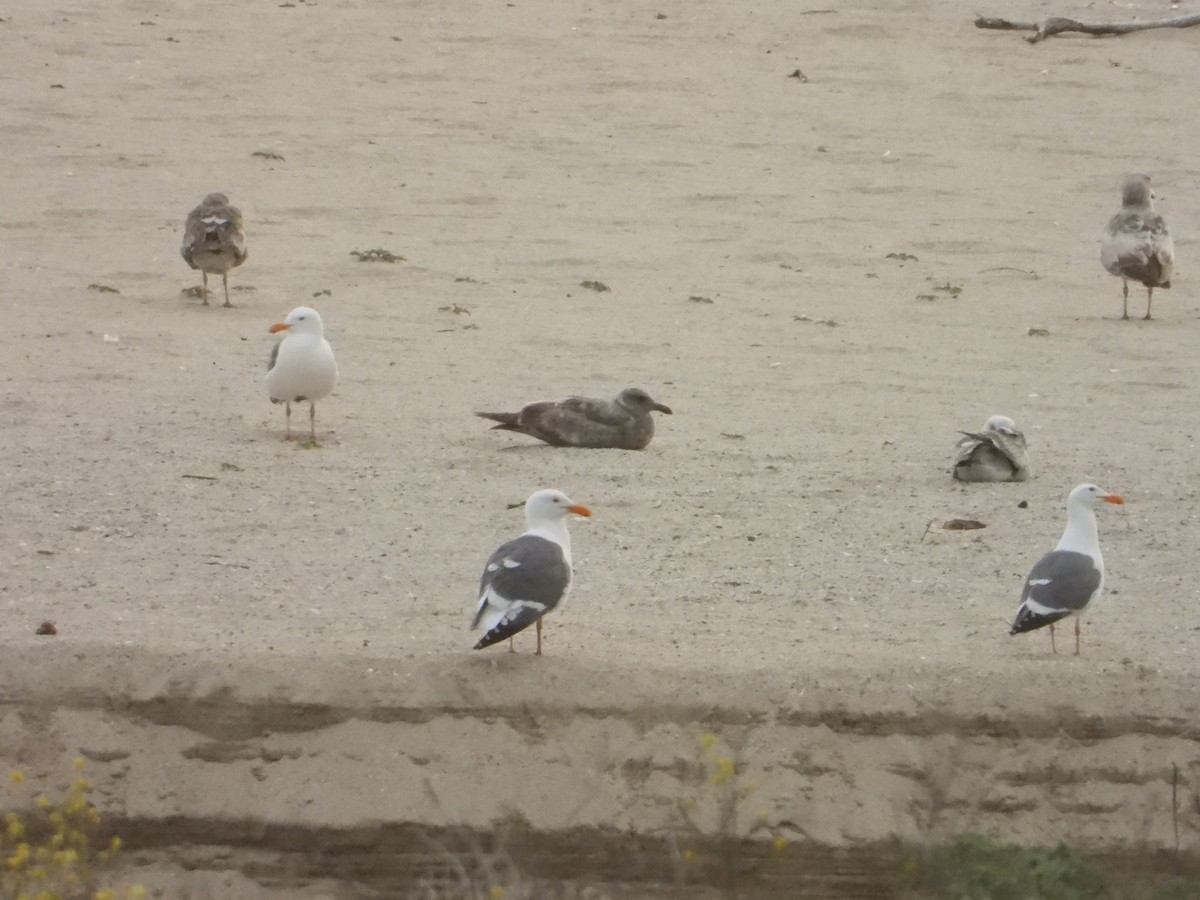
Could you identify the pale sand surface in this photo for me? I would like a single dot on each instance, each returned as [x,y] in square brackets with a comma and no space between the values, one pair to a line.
[762,563]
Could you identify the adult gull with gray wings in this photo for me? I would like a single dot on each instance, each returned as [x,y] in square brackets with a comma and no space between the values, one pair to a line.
[530,575]
[1063,582]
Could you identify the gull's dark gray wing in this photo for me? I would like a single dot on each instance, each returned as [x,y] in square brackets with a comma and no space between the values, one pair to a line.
[1060,583]
[522,581]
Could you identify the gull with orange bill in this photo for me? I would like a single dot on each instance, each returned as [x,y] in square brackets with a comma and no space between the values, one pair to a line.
[302,367]
[530,575]
[1063,582]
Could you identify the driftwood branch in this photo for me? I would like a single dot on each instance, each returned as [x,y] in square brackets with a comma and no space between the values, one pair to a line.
[1057,25]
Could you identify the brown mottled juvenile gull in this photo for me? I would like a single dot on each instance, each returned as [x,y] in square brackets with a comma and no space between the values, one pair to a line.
[528,576]
[623,423]
[302,366]
[1137,244]
[997,453]
[1063,582]
[214,241]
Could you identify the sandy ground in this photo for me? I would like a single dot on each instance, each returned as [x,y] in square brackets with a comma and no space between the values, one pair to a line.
[768,552]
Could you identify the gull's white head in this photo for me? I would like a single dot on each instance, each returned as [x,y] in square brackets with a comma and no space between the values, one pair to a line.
[301,320]
[1001,425]
[550,506]
[1089,496]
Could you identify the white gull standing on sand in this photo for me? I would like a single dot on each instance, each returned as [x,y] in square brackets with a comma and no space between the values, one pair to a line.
[997,453]
[302,366]
[1063,582]
[214,241]
[528,576]
[623,423]
[1137,243]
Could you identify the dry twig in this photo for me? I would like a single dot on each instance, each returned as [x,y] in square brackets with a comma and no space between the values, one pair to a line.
[1058,24]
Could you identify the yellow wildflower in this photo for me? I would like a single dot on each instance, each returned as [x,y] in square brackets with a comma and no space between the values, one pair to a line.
[16,776]
[780,844]
[725,770]
[19,859]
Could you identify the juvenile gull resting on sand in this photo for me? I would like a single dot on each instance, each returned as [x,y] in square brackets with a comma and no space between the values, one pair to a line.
[1137,244]
[997,453]
[302,366]
[623,423]
[1062,583]
[530,575]
[213,240]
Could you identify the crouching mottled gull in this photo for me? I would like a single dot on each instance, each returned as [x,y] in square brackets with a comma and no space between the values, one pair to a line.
[214,241]
[997,453]
[1137,244]
[530,575]
[1063,582]
[302,366]
[623,423]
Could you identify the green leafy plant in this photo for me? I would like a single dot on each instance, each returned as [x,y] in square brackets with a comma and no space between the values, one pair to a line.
[976,868]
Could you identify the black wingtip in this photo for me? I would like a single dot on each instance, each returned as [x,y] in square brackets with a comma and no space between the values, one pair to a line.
[490,638]
[1027,621]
